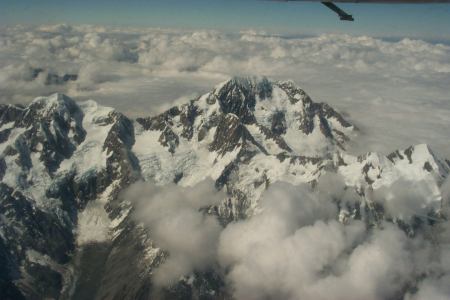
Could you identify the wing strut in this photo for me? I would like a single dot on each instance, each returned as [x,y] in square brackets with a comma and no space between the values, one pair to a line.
[342,14]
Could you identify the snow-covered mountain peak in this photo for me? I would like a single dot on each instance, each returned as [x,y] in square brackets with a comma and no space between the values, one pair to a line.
[53,100]
[55,104]
[245,133]
[247,83]
[421,155]
[415,169]
[248,132]
[63,163]
[55,136]
[274,117]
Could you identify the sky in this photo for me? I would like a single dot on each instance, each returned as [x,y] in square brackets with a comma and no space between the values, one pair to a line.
[387,73]
[429,21]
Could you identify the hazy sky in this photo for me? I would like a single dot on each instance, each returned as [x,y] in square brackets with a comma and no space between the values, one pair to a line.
[430,22]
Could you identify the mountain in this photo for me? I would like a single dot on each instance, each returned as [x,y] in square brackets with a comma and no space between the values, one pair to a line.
[56,157]
[64,164]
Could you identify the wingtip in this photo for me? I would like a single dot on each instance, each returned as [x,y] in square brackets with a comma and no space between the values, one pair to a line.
[347,18]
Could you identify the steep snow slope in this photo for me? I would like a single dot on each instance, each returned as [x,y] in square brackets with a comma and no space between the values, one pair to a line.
[249,132]
[56,156]
[63,165]
[247,128]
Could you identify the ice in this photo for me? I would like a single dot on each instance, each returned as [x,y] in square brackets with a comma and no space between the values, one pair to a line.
[90,153]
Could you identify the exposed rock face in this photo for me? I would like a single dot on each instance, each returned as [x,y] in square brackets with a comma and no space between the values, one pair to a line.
[63,164]
[56,156]
[243,125]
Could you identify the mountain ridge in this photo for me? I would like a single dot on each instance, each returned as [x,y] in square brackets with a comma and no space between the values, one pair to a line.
[63,165]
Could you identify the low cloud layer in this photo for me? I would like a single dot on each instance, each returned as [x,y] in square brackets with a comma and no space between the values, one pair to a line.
[176,224]
[295,248]
[396,92]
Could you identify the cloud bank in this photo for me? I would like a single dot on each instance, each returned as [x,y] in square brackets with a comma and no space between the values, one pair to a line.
[295,248]
[396,87]
[176,223]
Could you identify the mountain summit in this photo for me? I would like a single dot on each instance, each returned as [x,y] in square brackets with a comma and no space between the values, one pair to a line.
[63,165]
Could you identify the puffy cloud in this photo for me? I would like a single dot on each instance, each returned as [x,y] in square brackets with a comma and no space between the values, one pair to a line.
[294,248]
[285,209]
[398,87]
[406,199]
[376,269]
[173,216]
[445,192]
[438,289]
[286,267]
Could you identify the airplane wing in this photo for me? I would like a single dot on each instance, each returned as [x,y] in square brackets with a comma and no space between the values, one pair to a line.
[347,17]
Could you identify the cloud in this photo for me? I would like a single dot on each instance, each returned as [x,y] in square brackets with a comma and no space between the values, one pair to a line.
[376,269]
[445,192]
[406,199]
[295,249]
[176,224]
[399,87]
[433,289]
[294,207]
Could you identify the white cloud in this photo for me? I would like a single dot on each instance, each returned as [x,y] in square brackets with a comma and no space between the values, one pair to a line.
[400,88]
[294,248]
[433,289]
[445,192]
[286,208]
[406,199]
[174,220]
